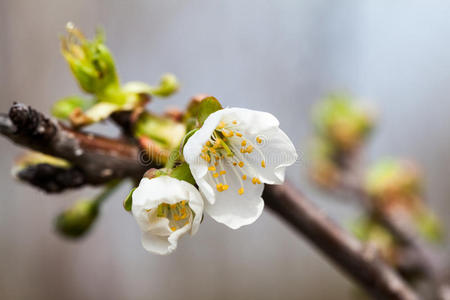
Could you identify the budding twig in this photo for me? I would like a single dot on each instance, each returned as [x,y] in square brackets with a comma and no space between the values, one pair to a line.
[101,159]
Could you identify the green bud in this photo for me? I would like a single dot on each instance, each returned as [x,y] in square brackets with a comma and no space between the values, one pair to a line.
[393,179]
[343,121]
[64,107]
[77,220]
[90,61]
[429,226]
[166,132]
[168,85]
[371,232]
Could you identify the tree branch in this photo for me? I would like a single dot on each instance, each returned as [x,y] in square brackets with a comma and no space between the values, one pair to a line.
[102,159]
[363,265]
[428,261]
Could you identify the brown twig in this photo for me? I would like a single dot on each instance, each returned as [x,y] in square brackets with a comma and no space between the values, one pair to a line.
[100,159]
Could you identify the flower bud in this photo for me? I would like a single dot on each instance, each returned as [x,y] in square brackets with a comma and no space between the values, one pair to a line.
[78,219]
[343,121]
[168,85]
[167,133]
[394,184]
[90,61]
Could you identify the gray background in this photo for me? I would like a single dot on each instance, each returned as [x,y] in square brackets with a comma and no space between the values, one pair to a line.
[277,56]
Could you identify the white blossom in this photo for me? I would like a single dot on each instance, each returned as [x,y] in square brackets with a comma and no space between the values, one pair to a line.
[165,209]
[231,156]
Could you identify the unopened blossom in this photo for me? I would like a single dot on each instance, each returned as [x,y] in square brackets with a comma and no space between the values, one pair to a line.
[165,209]
[231,156]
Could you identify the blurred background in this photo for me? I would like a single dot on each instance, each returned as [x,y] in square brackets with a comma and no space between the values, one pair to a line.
[276,56]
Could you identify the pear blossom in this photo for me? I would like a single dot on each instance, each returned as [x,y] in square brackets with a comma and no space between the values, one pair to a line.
[165,209]
[231,156]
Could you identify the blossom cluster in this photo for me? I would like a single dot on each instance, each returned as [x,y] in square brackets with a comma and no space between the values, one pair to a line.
[230,156]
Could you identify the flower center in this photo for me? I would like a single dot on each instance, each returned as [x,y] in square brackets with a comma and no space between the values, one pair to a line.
[178,214]
[228,145]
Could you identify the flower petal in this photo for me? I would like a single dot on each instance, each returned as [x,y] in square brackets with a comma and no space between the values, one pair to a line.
[196,204]
[193,148]
[231,208]
[251,121]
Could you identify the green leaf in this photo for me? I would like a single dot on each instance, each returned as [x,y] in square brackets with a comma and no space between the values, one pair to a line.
[183,172]
[128,202]
[64,107]
[187,137]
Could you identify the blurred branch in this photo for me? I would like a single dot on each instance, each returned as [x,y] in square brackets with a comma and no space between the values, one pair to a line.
[363,265]
[100,159]
[428,261]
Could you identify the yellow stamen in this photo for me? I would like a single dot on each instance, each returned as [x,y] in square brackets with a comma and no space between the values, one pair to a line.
[219,187]
[234,122]
[244,142]
[223,172]
[254,180]
[217,144]
[234,164]
[239,134]
[206,157]
[230,133]
[208,143]
[173,228]
[241,191]
[263,164]
[258,140]
[244,177]
[215,175]
[221,125]
[241,164]
[225,187]
[212,168]
[249,149]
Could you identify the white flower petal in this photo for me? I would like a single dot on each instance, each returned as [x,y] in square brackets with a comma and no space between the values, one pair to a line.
[232,208]
[250,121]
[155,243]
[157,235]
